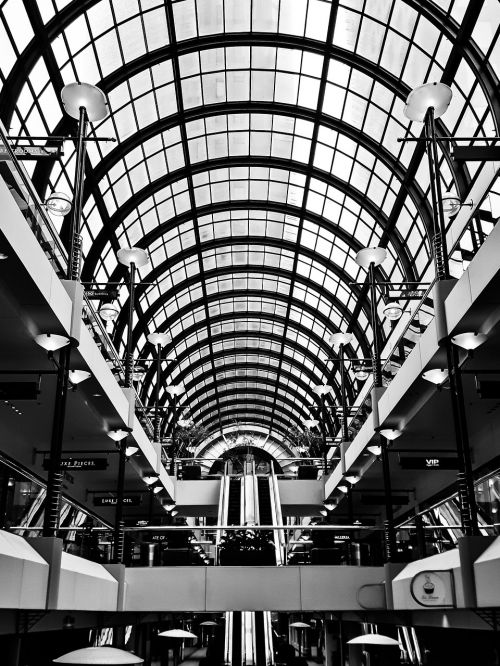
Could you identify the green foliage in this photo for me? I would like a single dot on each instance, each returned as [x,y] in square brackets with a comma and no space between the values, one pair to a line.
[246,541]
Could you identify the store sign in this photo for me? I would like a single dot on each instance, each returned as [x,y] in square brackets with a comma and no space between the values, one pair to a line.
[406,294]
[102,294]
[428,462]
[31,152]
[129,500]
[433,588]
[85,464]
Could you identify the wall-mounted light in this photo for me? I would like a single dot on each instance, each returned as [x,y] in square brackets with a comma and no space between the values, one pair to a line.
[435,376]
[452,204]
[343,487]
[352,478]
[374,449]
[117,434]
[390,433]
[51,341]
[130,451]
[78,376]
[109,311]
[469,341]
[150,478]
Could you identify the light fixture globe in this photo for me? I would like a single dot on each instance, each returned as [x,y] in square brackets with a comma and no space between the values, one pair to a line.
[322,389]
[371,255]
[362,372]
[138,373]
[78,376]
[429,95]
[175,389]
[343,487]
[393,310]
[51,342]
[451,203]
[91,98]
[469,341]
[109,311]
[58,203]
[99,656]
[436,376]
[132,255]
[159,339]
[337,339]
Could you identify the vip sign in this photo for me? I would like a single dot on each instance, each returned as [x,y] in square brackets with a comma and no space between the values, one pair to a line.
[430,463]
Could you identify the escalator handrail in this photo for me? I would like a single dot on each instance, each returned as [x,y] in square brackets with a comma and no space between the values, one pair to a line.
[278,535]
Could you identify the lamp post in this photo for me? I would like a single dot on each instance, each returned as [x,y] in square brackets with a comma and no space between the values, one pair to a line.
[322,390]
[174,391]
[425,104]
[369,258]
[340,340]
[159,340]
[83,102]
[134,258]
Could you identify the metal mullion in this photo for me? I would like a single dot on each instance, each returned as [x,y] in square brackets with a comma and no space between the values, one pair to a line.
[192,198]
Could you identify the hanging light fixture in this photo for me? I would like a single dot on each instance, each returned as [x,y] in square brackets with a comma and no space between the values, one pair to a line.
[58,203]
[393,310]
[52,342]
[436,376]
[469,341]
[343,487]
[117,434]
[390,433]
[109,311]
[157,489]
[78,376]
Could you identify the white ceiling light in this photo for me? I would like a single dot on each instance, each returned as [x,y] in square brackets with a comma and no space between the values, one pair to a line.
[429,95]
[151,478]
[371,255]
[451,203]
[58,203]
[469,341]
[343,487]
[117,434]
[352,478]
[105,655]
[373,639]
[131,450]
[109,311]
[77,376]
[435,376]
[157,489]
[390,433]
[393,310]
[51,341]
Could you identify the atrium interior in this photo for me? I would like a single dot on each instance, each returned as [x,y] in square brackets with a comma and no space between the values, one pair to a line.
[250,332]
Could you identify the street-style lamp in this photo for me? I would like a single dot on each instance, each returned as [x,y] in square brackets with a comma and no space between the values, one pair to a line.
[158,340]
[340,340]
[322,390]
[369,258]
[174,391]
[425,104]
[83,102]
[133,258]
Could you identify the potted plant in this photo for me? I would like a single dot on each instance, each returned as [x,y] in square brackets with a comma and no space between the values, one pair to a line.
[246,548]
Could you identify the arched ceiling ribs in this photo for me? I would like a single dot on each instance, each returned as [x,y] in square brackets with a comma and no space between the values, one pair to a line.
[107,231]
[219,272]
[278,422]
[150,378]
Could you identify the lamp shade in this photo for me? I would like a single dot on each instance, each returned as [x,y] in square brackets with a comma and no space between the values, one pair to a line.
[117,434]
[77,376]
[151,478]
[310,423]
[99,656]
[51,341]
[371,255]
[322,389]
[451,203]
[469,341]
[93,100]
[58,203]
[138,373]
[393,310]
[132,255]
[373,639]
[435,376]
[352,478]
[109,311]
[374,449]
[208,623]
[300,625]
[160,339]
[177,633]
[337,339]
[175,389]
[429,95]
[390,433]
[131,450]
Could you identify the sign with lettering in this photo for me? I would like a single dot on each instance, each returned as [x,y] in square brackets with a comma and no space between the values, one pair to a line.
[406,294]
[31,152]
[82,464]
[102,294]
[433,588]
[429,462]
[129,500]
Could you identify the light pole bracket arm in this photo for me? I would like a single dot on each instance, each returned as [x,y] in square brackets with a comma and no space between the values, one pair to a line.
[75,291]
[440,293]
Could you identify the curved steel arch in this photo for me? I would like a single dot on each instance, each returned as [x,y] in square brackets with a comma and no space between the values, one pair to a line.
[226,415]
[104,235]
[204,450]
[336,304]
[150,377]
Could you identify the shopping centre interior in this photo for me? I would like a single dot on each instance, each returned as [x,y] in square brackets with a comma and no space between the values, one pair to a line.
[250,332]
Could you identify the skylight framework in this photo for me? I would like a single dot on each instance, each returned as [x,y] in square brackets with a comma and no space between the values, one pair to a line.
[257,151]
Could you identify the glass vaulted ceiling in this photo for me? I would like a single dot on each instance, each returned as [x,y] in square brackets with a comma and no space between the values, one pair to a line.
[257,150]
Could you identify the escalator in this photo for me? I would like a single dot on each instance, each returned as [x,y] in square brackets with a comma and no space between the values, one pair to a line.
[234,502]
